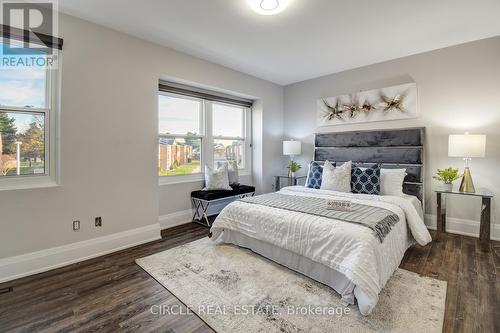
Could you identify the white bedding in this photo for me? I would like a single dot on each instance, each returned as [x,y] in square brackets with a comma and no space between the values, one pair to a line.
[416,203]
[348,248]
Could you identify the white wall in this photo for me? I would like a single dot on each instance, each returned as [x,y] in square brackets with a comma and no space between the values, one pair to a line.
[458,90]
[109,140]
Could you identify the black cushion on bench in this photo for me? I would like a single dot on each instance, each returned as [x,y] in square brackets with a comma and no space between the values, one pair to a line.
[220,194]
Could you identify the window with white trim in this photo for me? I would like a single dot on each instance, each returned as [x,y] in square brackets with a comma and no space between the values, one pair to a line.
[27,116]
[194,132]
[228,131]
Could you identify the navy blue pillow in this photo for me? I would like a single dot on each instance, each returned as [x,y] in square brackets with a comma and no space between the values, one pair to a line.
[366,181]
[314,174]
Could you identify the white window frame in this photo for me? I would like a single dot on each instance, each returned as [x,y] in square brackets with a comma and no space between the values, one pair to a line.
[246,139]
[202,136]
[207,141]
[51,115]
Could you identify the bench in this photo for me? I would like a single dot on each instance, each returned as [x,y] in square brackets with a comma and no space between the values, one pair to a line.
[201,200]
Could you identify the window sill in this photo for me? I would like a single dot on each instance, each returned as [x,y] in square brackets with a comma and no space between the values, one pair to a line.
[172,180]
[27,183]
[183,179]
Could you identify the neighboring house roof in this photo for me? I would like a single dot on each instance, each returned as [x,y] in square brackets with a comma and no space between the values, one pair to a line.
[166,141]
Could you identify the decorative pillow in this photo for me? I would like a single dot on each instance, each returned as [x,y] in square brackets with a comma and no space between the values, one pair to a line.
[366,181]
[314,174]
[232,171]
[391,181]
[336,179]
[217,179]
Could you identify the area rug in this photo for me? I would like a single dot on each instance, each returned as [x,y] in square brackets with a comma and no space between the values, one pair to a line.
[235,290]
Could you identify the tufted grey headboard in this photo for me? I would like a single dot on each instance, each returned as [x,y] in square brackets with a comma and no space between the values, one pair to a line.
[399,148]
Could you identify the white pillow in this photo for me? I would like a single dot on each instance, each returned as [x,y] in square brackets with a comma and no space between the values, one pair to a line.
[336,179]
[217,179]
[391,181]
[232,171]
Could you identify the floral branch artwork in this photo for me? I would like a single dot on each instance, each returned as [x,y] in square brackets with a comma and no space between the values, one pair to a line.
[333,111]
[390,103]
[393,103]
[368,107]
[351,108]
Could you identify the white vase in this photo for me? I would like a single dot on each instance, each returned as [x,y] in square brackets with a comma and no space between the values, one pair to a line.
[448,187]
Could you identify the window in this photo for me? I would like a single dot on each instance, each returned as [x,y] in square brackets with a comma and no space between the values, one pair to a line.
[26,117]
[228,123]
[181,135]
[194,132]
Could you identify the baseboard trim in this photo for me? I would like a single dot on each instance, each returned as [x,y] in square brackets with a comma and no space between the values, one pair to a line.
[175,219]
[16,267]
[462,226]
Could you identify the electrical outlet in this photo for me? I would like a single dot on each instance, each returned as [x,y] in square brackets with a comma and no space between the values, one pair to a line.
[76,225]
[98,221]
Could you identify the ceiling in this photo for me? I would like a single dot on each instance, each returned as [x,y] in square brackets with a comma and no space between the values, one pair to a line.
[311,38]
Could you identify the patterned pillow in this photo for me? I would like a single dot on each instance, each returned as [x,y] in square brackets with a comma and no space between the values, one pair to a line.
[217,179]
[232,171]
[314,174]
[366,181]
[336,179]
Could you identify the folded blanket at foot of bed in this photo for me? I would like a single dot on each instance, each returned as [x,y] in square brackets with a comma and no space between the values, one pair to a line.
[378,219]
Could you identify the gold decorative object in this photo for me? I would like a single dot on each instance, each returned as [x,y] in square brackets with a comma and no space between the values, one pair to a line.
[467,183]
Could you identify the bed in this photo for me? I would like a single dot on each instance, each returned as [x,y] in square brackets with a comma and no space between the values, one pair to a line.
[345,256]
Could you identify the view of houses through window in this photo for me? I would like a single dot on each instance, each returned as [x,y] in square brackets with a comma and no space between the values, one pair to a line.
[180,156]
[24,107]
[195,132]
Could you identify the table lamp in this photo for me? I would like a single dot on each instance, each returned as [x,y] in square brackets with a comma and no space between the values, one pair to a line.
[467,146]
[292,148]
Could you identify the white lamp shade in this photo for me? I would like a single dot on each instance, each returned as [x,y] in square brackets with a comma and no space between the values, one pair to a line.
[467,145]
[292,148]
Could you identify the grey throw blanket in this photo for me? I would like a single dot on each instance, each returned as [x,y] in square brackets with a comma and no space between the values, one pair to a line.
[378,219]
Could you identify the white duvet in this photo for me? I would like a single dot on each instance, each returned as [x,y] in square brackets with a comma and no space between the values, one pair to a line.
[349,248]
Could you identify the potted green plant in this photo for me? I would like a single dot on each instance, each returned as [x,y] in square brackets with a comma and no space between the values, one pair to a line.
[293,167]
[447,176]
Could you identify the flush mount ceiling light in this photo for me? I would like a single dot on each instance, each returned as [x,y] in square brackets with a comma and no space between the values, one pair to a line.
[268,7]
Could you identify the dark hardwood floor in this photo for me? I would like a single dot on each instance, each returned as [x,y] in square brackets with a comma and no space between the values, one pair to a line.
[113,294]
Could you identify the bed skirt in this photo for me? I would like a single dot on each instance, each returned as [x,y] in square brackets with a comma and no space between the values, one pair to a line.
[316,271]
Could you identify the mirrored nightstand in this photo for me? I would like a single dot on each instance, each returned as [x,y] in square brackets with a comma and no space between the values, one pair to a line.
[485,224]
[282,181]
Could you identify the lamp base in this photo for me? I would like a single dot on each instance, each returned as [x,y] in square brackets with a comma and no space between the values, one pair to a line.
[467,183]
